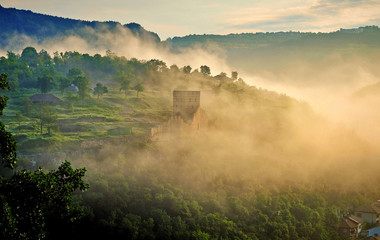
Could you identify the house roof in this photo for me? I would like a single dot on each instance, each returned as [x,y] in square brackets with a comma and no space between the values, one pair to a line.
[348,223]
[356,219]
[44,98]
[369,208]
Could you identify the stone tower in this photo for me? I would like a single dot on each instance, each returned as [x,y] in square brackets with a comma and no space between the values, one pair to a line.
[186,103]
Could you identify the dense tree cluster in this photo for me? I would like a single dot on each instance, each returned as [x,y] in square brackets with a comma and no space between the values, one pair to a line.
[142,207]
[34,69]
[34,205]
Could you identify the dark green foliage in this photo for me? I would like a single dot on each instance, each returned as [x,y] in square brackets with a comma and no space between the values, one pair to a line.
[7,142]
[48,118]
[100,89]
[3,86]
[45,83]
[44,58]
[35,204]
[7,148]
[63,82]
[140,206]
[83,84]
[74,73]
[30,56]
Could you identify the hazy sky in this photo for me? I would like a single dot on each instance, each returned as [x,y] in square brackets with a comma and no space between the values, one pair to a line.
[171,18]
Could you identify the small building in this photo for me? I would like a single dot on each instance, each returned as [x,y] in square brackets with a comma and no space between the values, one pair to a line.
[350,226]
[369,212]
[45,98]
[188,118]
[72,88]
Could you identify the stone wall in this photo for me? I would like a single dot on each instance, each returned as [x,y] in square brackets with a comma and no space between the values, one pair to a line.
[176,126]
[186,104]
[188,118]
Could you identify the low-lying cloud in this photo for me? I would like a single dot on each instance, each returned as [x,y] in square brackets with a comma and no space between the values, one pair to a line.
[123,43]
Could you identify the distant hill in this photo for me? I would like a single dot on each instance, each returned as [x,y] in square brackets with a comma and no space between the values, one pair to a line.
[299,57]
[41,27]
[261,39]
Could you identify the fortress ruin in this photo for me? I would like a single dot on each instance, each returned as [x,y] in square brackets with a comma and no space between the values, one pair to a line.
[188,118]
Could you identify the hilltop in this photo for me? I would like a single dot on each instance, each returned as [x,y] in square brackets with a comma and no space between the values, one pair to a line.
[41,27]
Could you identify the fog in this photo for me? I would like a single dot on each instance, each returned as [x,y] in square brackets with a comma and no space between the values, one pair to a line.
[329,87]
[123,43]
[255,139]
[322,137]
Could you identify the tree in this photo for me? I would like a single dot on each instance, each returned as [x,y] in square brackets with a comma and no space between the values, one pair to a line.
[64,82]
[156,65]
[124,80]
[30,56]
[74,73]
[234,75]
[7,142]
[139,88]
[83,84]
[174,68]
[44,58]
[34,204]
[187,69]
[100,89]
[205,70]
[70,99]
[48,117]
[45,83]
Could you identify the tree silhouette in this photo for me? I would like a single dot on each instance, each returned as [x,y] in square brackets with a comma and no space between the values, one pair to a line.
[205,70]
[100,89]
[139,88]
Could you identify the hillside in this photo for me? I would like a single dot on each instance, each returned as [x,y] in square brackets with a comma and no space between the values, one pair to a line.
[267,167]
[42,27]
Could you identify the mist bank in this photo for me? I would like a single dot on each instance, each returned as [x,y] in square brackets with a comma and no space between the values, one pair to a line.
[295,58]
[267,167]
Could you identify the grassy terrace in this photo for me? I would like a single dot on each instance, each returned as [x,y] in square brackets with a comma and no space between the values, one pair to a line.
[114,115]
